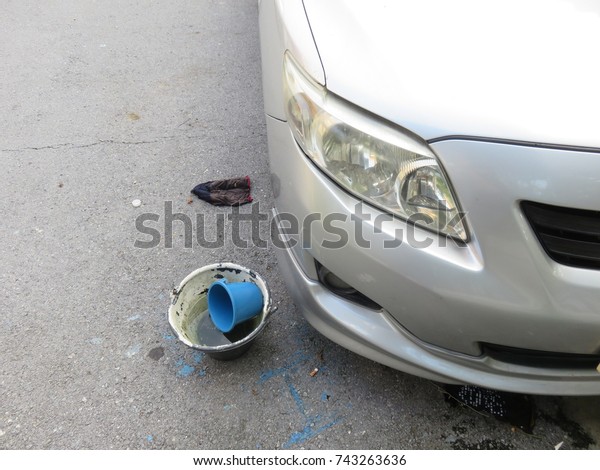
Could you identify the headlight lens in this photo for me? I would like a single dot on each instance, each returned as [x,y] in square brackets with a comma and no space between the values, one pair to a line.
[377,162]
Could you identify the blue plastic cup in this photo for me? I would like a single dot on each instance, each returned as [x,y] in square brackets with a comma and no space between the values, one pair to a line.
[230,304]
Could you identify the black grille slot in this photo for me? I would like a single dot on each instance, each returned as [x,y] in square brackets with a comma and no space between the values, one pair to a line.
[541,359]
[569,236]
[348,292]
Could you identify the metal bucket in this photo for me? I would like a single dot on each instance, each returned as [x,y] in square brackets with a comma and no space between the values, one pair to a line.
[189,318]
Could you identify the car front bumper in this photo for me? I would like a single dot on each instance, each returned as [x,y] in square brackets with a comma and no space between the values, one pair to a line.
[441,302]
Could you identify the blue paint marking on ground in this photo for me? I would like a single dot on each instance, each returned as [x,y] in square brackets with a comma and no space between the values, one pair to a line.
[295,395]
[297,359]
[185,371]
[149,438]
[168,337]
[133,350]
[309,431]
[314,424]
[198,357]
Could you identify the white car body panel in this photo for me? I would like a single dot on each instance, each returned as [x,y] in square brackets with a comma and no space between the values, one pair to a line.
[283,26]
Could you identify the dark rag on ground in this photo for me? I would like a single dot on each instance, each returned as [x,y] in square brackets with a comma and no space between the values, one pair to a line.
[230,192]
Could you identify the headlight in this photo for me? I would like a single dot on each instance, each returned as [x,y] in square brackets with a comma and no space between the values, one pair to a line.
[377,162]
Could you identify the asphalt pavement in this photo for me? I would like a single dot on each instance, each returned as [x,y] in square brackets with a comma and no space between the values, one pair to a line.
[107,102]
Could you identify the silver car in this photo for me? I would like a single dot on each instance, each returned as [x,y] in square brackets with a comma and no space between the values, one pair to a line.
[436,173]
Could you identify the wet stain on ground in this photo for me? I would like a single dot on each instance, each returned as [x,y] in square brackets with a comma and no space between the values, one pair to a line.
[519,410]
[458,429]
[579,437]
[485,444]
[156,353]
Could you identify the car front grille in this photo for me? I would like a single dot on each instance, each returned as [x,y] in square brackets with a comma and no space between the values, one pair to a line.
[569,236]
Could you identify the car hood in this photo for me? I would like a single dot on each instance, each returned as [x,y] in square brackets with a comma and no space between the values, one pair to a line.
[503,69]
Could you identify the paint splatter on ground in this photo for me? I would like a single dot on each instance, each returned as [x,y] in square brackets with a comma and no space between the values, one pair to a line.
[133,350]
[313,424]
[185,370]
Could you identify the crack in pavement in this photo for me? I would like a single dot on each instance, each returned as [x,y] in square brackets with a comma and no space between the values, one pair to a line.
[100,142]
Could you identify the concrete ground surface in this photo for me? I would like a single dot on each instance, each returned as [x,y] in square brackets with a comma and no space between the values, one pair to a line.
[105,102]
